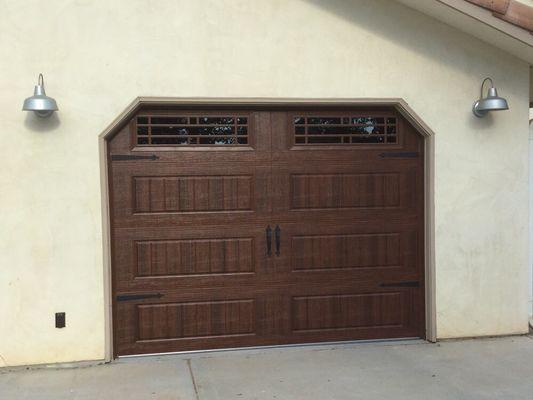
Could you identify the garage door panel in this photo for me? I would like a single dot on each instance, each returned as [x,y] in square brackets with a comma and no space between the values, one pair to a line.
[169,220]
[341,313]
[308,228]
[181,321]
[208,166]
[341,191]
[352,251]
[184,198]
[219,229]
[334,312]
[357,156]
[183,283]
[325,135]
[362,333]
[274,318]
[137,161]
[348,190]
[192,194]
[350,207]
[196,320]
[370,165]
[203,286]
[336,258]
[189,131]
[194,257]
[168,326]
[215,257]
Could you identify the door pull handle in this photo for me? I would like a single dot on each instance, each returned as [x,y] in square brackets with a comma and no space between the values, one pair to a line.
[269,240]
[277,231]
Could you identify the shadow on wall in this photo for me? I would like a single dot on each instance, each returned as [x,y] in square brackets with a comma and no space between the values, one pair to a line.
[38,124]
[398,24]
[486,123]
[405,27]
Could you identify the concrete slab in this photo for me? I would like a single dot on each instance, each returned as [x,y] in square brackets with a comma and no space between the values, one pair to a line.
[481,369]
[472,369]
[145,379]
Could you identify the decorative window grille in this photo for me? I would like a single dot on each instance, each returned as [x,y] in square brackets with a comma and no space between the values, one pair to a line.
[345,130]
[188,130]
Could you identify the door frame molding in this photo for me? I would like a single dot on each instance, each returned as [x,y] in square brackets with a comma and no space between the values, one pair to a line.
[399,104]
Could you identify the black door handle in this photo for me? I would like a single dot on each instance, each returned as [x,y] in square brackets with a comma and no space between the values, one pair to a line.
[269,240]
[278,239]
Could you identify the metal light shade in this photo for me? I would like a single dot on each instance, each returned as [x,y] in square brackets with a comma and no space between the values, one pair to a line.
[490,103]
[40,103]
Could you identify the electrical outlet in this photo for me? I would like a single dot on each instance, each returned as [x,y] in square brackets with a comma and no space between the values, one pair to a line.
[60,320]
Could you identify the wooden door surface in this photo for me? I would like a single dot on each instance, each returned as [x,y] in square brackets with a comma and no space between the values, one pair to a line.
[235,228]
[349,201]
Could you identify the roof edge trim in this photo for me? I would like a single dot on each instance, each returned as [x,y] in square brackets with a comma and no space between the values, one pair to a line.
[488,18]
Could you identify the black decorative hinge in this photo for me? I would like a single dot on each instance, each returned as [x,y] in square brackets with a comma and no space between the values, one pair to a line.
[128,297]
[126,157]
[402,284]
[405,154]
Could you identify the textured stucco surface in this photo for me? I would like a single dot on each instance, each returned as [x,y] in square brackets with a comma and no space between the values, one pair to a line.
[526,2]
[530,269]
[98,55]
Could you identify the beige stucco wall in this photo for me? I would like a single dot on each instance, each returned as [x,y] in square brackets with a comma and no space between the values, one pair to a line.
[526,2]
[98,55]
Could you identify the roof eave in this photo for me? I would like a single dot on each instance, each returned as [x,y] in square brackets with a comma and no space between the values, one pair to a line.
[480,23]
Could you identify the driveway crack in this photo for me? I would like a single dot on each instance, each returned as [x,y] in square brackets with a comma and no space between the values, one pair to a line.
[189,364]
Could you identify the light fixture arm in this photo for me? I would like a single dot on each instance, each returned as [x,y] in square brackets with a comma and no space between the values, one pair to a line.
[482,85]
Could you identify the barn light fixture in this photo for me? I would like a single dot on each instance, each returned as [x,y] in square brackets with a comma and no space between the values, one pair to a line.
[490,103]
[40,103]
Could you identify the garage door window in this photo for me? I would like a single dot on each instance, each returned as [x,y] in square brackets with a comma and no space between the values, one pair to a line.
[342,130]
[187,130]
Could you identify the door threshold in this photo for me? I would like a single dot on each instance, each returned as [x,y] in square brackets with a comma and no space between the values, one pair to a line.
[410,340]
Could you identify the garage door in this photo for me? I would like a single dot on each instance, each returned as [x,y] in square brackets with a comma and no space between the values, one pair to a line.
[251,227]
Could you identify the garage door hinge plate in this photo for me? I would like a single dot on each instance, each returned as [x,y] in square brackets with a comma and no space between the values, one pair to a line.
[127,297]
[126,157]
[401,284]
[405,154]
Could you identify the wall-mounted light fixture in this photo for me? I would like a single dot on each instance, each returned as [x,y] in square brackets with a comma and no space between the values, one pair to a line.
[40,103]
[490,103]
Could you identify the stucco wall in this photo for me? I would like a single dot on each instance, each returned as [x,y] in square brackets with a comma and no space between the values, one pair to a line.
[98,55]
[526,2]
[530,269]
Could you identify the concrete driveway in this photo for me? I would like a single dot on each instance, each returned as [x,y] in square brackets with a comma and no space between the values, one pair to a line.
[468,369]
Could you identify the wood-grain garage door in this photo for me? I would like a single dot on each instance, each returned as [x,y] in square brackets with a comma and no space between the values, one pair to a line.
[255,227]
